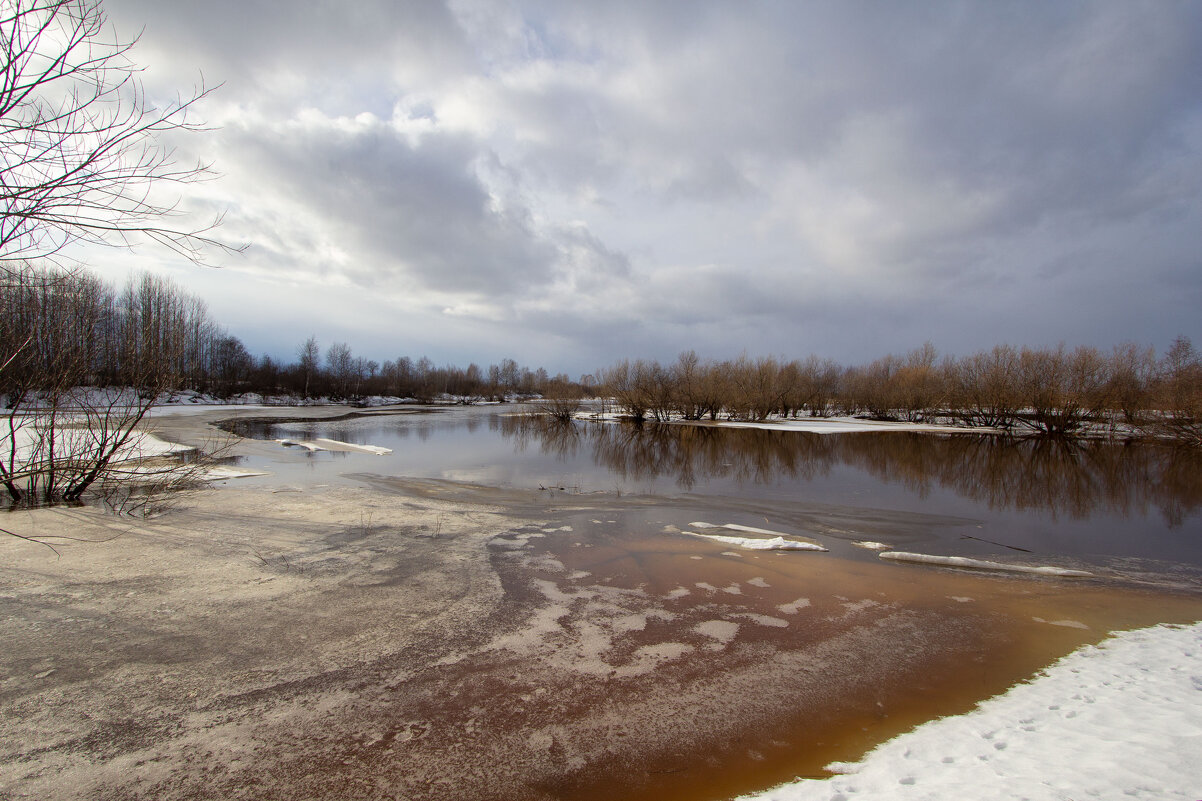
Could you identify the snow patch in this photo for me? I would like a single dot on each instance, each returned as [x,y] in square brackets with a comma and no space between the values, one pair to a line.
[721,630]
[794,607]
[1122,719]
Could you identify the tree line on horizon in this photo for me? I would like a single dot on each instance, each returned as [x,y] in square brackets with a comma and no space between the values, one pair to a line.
[1055,391]
[61,329]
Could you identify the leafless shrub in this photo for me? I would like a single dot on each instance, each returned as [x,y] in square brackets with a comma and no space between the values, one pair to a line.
[560,402]
[1178,395]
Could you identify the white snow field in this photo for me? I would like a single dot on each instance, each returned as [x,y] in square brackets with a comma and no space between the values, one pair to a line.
[1119,720]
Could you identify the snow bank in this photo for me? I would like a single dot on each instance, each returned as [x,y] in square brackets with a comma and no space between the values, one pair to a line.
[26,444]
[979,564]
[1119,720]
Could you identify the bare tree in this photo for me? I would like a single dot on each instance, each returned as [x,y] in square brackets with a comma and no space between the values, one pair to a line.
[309,356]
[1064,390]
[985,387]
[65,429]
[1180,393]
[80,158]
[1132,372]
[340,364]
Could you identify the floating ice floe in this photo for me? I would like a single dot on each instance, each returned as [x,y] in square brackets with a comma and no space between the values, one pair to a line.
[979,564]
[772,541]
[870,545]
[323,444]
[761,544]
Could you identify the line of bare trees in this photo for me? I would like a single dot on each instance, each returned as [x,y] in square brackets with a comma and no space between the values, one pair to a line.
[67,328]
[338,374]
[83,162]
[1054,391]
[81,364]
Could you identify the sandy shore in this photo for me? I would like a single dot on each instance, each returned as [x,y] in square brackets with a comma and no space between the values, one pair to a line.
[392,638]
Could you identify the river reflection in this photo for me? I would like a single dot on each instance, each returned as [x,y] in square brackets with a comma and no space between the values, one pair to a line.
[1060,478]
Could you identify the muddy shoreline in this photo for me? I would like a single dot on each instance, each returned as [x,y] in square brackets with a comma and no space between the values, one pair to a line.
[392,638]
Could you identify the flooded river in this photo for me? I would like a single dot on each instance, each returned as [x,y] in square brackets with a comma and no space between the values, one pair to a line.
[636,657]
[1130,509]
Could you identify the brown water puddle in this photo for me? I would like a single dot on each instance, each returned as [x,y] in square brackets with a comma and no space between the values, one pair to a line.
[825,656]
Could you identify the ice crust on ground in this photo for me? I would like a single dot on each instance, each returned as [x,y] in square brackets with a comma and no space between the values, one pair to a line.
[979,564]
[1119,720]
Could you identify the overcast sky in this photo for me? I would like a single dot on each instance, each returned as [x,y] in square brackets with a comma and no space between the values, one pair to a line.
[572,183]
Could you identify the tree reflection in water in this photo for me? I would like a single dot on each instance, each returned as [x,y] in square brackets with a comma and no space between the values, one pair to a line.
[1072,478]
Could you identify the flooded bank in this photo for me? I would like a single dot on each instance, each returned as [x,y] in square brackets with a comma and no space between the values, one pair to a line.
[442,621]
[1132,507]
[774,664]
[675,667]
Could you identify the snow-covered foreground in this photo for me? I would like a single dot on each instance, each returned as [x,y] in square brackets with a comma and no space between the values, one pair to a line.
[1119,720]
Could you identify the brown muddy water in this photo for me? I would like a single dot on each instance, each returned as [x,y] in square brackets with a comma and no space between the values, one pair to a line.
[633,659]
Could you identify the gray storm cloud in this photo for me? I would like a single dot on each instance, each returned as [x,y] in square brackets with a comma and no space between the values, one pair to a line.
[840,177]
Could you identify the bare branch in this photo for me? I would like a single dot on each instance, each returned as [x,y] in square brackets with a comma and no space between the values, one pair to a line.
[80,155]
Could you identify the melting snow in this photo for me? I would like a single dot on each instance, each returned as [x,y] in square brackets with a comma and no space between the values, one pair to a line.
[1118,720]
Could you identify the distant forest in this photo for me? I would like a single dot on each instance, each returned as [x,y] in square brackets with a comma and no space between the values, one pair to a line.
[62,329]
[69,328]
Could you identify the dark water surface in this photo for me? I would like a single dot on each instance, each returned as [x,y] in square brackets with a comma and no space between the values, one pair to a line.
[1133,507]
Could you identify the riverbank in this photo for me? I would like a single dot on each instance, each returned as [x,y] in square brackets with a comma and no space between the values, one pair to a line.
[1117,720]
[377,637]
